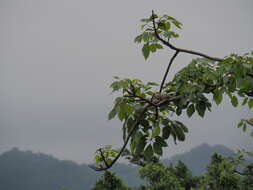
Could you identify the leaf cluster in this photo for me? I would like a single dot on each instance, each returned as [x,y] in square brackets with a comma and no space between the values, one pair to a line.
[165,25]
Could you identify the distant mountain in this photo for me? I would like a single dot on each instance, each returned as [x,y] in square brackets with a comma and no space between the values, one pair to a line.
[25,170]
[199,157]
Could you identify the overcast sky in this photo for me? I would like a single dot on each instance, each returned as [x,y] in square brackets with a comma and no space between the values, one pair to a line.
[57,59]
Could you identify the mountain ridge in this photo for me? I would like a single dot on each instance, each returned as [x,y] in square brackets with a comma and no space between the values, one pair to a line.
[25,170]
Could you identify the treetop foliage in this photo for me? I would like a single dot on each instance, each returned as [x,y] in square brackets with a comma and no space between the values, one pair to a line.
[147,114]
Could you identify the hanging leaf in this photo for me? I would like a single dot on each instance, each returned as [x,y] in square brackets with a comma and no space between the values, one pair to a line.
[145,51]
[138,39]
[234,101]
[201,108]
[250,103]
[217,96]
[160,141]
[190,110]
[148,152]
[140,145]
[158,149]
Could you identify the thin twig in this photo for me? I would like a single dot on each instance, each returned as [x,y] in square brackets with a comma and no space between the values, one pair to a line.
[103,157]
[167,70]
[167,43]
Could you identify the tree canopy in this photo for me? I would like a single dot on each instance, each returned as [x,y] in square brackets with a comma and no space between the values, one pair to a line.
[147,114]
[109,181]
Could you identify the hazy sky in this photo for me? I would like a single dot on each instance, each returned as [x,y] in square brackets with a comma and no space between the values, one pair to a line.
[57,59]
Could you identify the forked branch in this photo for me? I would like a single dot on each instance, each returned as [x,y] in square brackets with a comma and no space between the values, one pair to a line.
[168,44]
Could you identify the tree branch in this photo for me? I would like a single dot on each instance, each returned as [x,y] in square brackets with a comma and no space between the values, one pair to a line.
[103,157]
[167,70]
[107,166]
[167,43]
[139,97]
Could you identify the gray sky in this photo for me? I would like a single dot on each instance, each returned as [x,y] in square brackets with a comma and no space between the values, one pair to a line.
[57,59]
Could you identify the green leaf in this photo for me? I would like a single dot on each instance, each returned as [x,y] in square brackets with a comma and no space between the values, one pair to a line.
[182,126]
[124,110]
[190,110]
[234,101]
[244,127]
[179,133]
[145,20]
[116,77]
[177,23]
[124,129]
[144,123]
[178,111]
[152,48]
[121,114]
[232,85]
[137,137]
[98,159]
[145,36]
[112,114]
[142,26]
[244,101]
[152,84]
[141,144]
[250,121]
[217,96]
[240,123]
[159,140]
[132,146]
[128,108]
[170,18]
[159,46]
[201,108]
[138,39]
[161,25]
[109,161]
[174,135]
[166,132]
[250,103]
[158,149]
[156,132]
[115,86]
[148,152]
[145,51]
[167,26]
[130,124]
